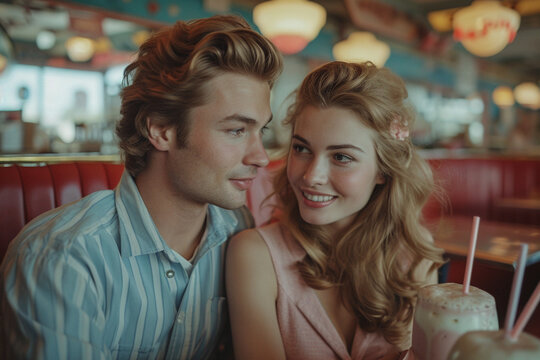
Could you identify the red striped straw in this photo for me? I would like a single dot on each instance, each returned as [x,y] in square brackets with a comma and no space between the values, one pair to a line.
[526,313]
[516,290]
[470,255]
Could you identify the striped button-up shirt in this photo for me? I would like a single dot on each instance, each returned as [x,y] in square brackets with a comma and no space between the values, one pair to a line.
[95,280]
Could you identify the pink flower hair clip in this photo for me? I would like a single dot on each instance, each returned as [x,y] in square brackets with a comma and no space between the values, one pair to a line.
[399,129]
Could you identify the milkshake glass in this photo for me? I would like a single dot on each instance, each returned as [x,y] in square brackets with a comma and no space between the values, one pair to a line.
[493,345]
[443,313]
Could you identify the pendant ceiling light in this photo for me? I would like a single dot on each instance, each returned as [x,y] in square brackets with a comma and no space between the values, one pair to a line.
[362,46]
[503,96]
[289,24]
[80,49]
[528,95]
[485,27]
[45,40]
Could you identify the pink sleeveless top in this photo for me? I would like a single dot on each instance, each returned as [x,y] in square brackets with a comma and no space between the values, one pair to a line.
[306,330]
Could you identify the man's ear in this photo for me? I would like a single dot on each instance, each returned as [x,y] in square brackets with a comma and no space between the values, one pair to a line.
[160,136]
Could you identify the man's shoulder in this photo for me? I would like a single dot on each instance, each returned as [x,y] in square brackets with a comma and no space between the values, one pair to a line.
[79,217]
[69,226]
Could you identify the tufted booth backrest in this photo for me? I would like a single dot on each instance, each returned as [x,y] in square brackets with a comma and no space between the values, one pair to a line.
[28,191]
[473,186]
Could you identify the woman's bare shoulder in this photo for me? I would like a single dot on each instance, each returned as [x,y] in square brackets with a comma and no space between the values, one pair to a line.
[249,240]
[249,248]
[250,264]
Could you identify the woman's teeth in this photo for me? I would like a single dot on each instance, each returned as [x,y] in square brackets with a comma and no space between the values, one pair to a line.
[318,198]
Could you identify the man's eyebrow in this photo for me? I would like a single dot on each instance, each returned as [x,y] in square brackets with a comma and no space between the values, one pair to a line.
[245,119]
[301,139]
[331,147]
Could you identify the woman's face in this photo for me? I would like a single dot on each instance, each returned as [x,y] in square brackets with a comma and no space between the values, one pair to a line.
[332,166]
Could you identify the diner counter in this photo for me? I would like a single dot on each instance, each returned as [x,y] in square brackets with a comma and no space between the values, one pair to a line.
[7,159]
[273,153]
[441,153]
[57,158]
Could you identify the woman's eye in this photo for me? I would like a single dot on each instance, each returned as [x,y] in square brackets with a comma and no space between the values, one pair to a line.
[342,158]
[237,132]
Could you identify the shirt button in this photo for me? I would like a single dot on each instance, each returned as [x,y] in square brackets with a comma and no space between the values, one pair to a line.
[169,273]
[181,316]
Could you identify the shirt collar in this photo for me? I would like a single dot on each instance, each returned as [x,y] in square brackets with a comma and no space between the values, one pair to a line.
[139,235]
[221,223]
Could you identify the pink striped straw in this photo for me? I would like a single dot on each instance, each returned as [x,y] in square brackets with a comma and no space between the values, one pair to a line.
[516,290]
[470,255]
[526,313]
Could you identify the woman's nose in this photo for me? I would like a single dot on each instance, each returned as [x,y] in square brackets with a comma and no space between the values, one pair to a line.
[316,173]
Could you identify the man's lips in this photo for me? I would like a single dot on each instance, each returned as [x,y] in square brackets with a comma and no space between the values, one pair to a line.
[242,184]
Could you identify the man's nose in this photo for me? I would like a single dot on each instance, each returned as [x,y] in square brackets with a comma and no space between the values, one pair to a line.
[256,154]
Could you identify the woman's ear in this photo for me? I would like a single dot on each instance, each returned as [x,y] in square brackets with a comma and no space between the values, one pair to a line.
[161,137]
[381,179]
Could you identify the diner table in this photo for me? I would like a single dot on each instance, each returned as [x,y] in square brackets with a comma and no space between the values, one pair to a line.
[529,203]
[497,250]
[497,242]
[525,210]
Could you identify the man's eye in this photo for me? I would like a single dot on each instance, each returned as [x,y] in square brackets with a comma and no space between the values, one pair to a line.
[299,148]
[237,132]
[264,129]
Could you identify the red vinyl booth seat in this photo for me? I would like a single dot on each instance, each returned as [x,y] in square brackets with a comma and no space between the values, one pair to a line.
[28,191]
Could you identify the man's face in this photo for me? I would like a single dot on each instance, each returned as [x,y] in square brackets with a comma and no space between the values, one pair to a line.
[224,148]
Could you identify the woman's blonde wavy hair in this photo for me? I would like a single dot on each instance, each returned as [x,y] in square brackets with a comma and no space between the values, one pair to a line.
[170,74]
[373,261]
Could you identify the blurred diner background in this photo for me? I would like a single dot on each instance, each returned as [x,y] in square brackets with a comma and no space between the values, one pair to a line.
[472,71]
[61,65]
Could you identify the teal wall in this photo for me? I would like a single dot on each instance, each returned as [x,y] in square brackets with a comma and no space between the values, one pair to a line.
[411,65]
[188,9]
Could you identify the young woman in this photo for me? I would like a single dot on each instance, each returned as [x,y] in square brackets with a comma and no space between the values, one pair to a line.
[336,277]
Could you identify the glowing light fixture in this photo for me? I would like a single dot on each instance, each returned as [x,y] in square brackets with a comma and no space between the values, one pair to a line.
[362,46]
[503,96]
[441,20]
[140,37]
[66,131]
[485,27]
[102,45]
[45,40]
[80,49]
[289,24]
[528,95]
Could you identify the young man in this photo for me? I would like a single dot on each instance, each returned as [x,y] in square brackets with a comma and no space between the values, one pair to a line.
[138,272]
